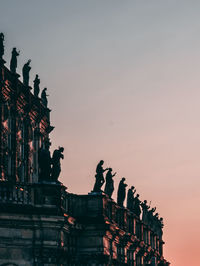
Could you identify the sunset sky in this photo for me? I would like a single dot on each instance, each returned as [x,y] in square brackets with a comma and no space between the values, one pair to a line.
[124,86]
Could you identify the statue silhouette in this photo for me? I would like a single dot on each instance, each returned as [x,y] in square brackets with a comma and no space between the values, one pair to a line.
[130,198]
[136,206]
[99,177]
[109,187]
[145,208]
[13,61]
[56,169]
[1,45]
[25,71]
[160,227]
[44,161]
[150,216]
[44,97]
[36,86]
[121,193]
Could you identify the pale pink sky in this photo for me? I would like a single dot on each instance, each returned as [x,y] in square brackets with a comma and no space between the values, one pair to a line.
[124,85]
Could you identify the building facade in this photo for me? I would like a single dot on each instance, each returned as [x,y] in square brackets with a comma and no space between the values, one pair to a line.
[40,222]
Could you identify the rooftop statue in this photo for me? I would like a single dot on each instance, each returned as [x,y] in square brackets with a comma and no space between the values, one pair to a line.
[130,198]
[109,187]
[56,169]
[136,208]
[13,61]
[145,208]
[44,161]
[160,227]
[121,193]
[1,45]
[150,216]
[44,97]
[36,86]
[99,177]
[155,222]
[25,71]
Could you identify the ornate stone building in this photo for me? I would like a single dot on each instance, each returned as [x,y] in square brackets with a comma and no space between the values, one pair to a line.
[41,223]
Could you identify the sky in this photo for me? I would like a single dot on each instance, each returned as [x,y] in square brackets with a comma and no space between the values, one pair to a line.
[124,86]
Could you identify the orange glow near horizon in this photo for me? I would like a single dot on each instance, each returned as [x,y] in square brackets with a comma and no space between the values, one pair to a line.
[124,86]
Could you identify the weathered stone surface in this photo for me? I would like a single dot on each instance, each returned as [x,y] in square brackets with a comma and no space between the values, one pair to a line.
[95,231]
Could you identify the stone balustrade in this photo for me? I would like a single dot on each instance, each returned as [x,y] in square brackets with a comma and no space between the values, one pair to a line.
[117,233]
[38,194]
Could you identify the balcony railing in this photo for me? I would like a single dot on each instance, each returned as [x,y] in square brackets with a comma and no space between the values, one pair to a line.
[39,194]
[15,194]
[81,207]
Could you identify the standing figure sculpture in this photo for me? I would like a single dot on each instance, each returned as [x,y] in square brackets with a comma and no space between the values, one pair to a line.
[56,169]
[136,208]
[1,45]
[25,71]
[160,227]
[145,208]
[150,216]
[109,187]
[155,222]
[44,161]
[13,61]
[36,86]
[121,193]
[99,177]
[130,198]
[44,97]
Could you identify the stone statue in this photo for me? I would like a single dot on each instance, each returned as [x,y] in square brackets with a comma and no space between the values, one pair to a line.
[109,187]
[1,45]
[99,177]
[13,61]
[160,227]
[44,161]
[121,193]
[44,97]
[136,207]
[155,222]
[150,216]
[25,71]
[56,169]
[145,208]
[130,198]
[36,86]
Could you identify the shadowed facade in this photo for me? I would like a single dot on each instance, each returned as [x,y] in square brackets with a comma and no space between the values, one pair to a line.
[40,222]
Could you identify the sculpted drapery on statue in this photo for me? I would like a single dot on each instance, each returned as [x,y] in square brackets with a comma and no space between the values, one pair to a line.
[160,226]
[44,97]
[1,45]
[44,161]
[136,206]
[36,86]
[109,187]
[130,198]
[25,71]
[145,208]
[99,177]
[150,216]
[121,193]
[56,169]
[46,172]
[13,61]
